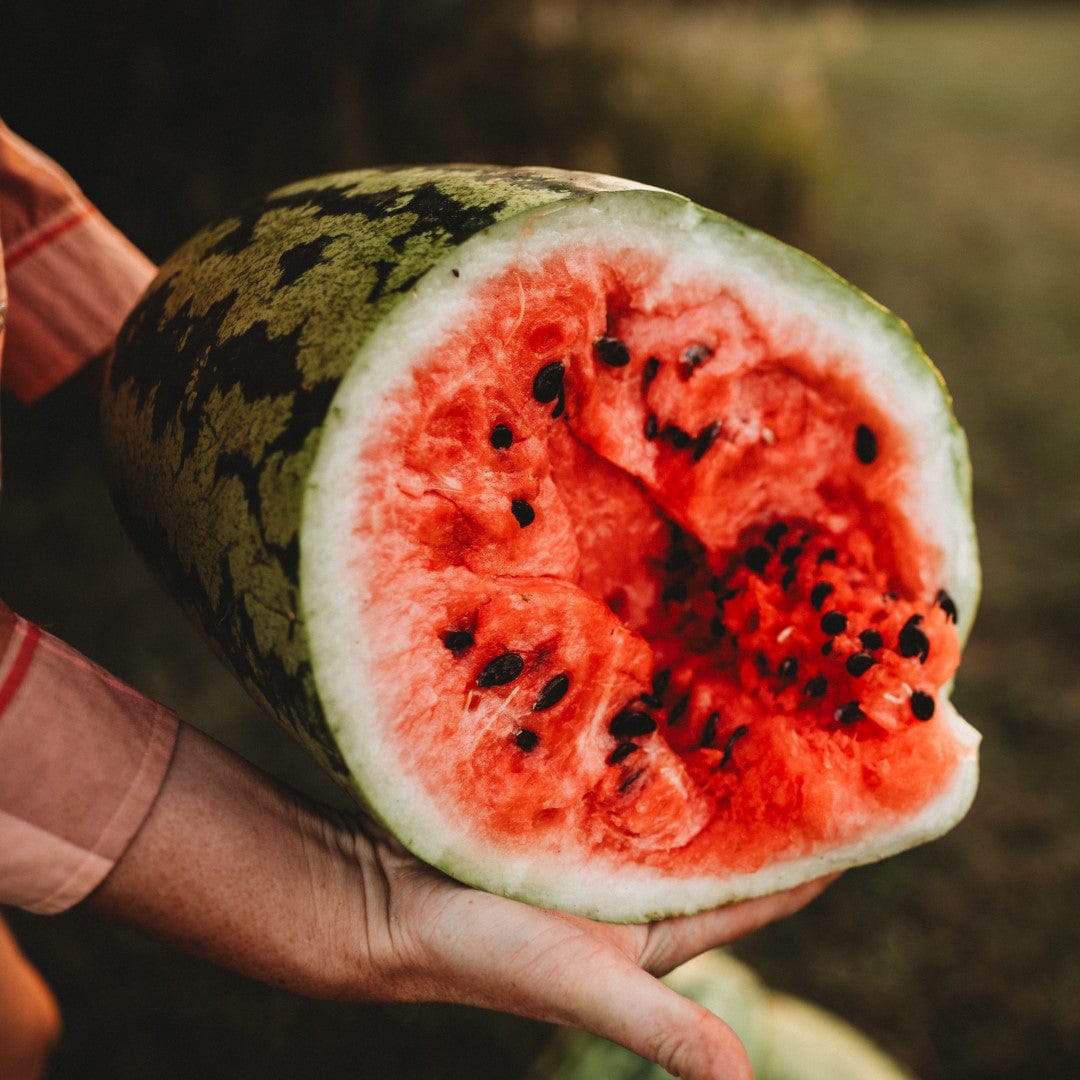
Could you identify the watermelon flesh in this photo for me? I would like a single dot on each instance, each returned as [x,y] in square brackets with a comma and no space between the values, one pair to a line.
[631,590]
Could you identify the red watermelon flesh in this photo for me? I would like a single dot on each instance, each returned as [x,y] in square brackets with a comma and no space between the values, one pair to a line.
[640,588]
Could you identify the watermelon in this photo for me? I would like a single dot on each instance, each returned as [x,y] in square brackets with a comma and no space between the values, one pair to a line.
[786,1037]
[615,556]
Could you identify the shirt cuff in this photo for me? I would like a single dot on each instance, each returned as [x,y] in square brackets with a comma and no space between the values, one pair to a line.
[82,758]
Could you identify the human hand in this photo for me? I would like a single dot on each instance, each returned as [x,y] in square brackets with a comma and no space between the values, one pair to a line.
[233,867]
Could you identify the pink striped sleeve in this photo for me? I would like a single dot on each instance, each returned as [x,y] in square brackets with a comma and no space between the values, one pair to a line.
[82,757]
[72,277]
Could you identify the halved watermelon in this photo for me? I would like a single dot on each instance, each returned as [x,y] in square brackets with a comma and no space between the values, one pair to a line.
[616,556]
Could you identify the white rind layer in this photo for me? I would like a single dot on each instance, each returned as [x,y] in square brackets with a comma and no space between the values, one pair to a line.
[807,309]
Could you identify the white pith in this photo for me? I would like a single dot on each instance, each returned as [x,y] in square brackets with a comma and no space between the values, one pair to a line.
[807,309]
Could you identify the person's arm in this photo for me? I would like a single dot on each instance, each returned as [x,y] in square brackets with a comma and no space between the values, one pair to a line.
[241,871]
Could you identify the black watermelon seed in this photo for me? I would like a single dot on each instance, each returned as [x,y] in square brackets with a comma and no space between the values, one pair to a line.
[631,722]
[775,533]
[790,574]
[649,371]
[945,602]
[826,649]
[849,713]
[652,426]
[858,664]
[922,705]
[729,746]
[675,592]
[523,511]
[833,623]
[548,382]
[871,640]
[704,439]
[676,436]
[526,740]
[457,641]
[816,686]
[708,731]
[912,641]
[788,668]
[651,701]
[501,437]
[820,593]
[717,627]
[500,671]
[622,751]
[757,557]
[866,447]
[660,681]
[789,556]
[761,662]
[826,555]
[678,710]
[553,692]
[611,351]
[692,359]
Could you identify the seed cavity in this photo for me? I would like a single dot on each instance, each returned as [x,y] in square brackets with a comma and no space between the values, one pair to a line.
[621,752]
[523,511]
[553,692]
[526,740]
[912,640]
[866,447]
[500,671]
[820,593]
[652,427]
[501,437]
[548,386]
[457,641]
[611,351]
[922,705]
[629,781]
[631,722]
[858,664]
[833,623]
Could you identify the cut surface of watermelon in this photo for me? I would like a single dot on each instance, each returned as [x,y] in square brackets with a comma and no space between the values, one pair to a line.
[641,566]
[616,556]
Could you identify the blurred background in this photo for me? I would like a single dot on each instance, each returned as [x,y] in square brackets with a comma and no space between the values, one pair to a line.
[928,152]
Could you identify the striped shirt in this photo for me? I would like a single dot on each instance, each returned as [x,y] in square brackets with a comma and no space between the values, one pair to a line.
[82,756]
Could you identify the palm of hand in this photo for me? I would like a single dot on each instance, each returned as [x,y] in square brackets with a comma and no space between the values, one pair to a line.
[435,939]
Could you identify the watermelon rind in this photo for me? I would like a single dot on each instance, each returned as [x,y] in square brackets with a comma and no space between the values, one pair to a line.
[244,381]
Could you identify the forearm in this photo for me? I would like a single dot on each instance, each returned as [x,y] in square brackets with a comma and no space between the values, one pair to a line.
[229,866]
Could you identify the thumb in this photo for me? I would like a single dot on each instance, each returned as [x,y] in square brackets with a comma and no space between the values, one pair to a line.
[642,1014]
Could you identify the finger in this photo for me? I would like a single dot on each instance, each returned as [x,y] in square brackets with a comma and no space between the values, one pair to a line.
[498,954]
[674,941]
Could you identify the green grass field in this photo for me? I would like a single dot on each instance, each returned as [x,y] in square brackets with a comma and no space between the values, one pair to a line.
[935,156]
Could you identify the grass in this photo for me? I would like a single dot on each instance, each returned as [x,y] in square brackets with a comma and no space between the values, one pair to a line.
[933,157]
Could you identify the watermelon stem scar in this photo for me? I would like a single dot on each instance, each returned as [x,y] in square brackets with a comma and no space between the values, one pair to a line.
[631,549]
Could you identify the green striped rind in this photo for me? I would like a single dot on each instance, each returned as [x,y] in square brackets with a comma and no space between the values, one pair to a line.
[224,373]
